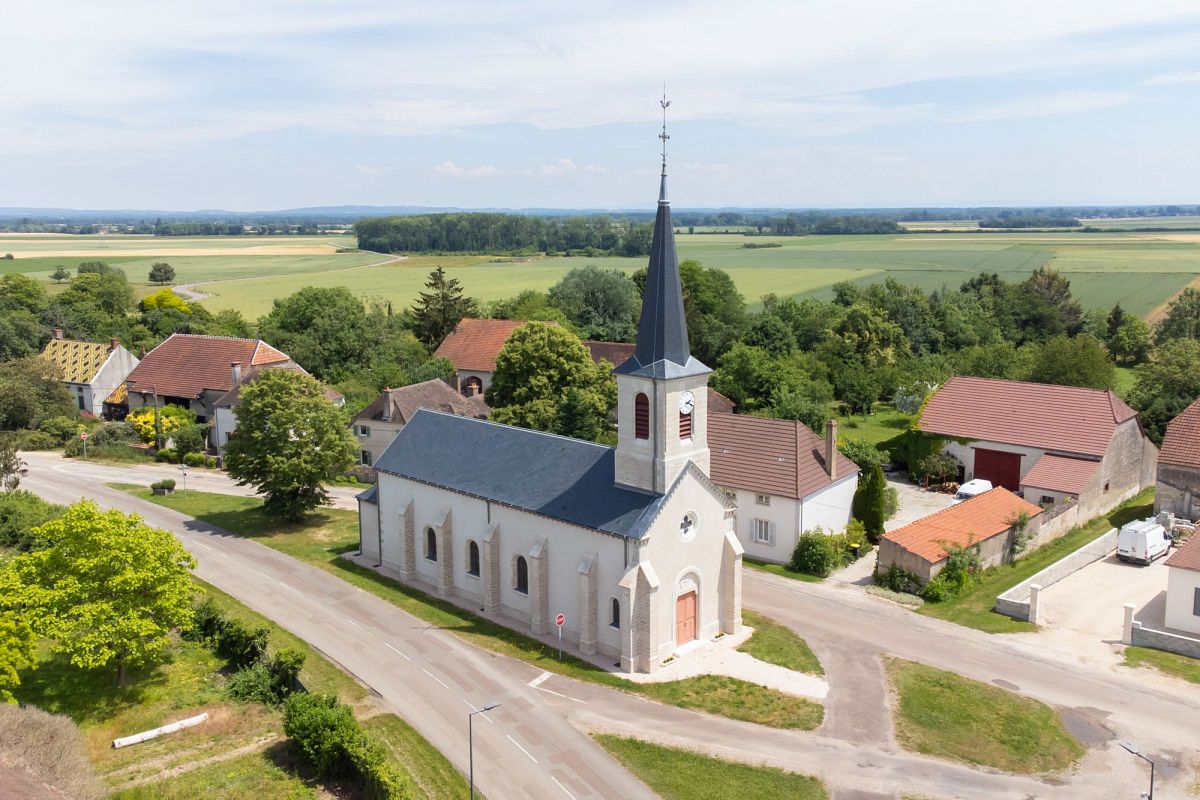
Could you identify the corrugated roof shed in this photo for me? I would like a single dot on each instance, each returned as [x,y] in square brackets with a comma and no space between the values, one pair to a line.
[971,521]
[1061,473]
[1067,419]
[1181,445]
[769,456]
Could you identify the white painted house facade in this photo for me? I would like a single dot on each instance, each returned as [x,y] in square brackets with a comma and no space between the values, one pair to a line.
[635,545]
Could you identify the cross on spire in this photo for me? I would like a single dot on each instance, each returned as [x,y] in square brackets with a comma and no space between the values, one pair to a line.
[665,103]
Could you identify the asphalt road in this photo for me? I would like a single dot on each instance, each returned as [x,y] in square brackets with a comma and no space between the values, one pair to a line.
[532,746]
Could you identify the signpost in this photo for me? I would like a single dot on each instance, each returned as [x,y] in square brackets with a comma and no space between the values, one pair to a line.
[83,438]
[559,621]
[183,470]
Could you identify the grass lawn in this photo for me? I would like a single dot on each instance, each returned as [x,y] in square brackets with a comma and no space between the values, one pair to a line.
[1126,378]
[778,644]
[321,538]
[676,774]
[974,608]
[779,569]
[279,771]
[885,423]
[1170,663]
[432,776]
[947,716]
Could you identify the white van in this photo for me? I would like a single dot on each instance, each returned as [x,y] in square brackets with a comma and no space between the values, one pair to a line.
[1142,541]
[972,488]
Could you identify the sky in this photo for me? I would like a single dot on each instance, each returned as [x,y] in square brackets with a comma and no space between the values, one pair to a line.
[269,104]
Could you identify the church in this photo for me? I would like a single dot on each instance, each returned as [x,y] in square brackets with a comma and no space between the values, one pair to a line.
[633,545]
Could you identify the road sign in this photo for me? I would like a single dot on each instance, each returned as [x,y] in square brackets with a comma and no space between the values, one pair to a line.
[83,436]
[559,620]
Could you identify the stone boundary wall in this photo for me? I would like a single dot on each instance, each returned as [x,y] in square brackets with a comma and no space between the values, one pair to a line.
[1015,602]
[1054,523]
[1161,640]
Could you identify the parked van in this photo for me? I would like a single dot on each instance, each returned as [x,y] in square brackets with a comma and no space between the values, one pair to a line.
[972,488]
[1142,541]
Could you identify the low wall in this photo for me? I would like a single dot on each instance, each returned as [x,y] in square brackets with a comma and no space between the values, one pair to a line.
[1054,522]
[1015,602]
[1161,640]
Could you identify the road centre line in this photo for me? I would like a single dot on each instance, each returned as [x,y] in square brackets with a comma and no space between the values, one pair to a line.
[355,624]
[523,750]
[562,787]
[481,713]
[435,677]
[398,652]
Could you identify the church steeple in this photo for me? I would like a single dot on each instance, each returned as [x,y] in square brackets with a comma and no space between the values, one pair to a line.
[662,341]
[662,404]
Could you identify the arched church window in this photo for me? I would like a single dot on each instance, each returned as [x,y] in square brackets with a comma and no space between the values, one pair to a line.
[472,386]
[614,619]
[641,416]
[430,544]
[687,527]
[522,575]
[473,558]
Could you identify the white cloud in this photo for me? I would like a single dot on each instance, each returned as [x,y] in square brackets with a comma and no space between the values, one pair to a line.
[370,169]
[1172,78]
[565,166]
[450,169]
[1049,105]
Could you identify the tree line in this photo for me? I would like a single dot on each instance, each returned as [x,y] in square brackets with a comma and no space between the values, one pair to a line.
[503,233]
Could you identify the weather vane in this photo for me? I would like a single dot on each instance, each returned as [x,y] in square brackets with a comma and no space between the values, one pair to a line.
[664,103]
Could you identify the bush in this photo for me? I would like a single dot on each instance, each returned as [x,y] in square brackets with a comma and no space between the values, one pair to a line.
[210,462]
[61,429]
[816,553]
[114,433]
[898,580]
[324,729]
[870,501]
[188,440]
[34,440]
[241,644]
[864,454]
[167,455]
[959,574]
[20,513]
[937,467]
[168,484]
[207,621]
[380,777]
[171,418]
[252,684]
[73,447]
[193,459]
[891,502]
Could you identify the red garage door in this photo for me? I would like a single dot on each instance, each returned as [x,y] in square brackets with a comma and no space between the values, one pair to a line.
[1002,469]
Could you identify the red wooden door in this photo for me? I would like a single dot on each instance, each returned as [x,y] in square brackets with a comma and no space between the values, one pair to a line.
[1002,469]
[685,618]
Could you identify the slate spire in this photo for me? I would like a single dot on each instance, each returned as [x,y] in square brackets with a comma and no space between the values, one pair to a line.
[662,330]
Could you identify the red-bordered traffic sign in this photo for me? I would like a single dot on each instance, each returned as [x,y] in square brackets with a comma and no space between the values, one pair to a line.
[83,436]
[559,620]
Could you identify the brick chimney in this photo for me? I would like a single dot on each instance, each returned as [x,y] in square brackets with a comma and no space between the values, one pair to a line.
[58,333]
[386,414]
[831,449]
[114,343]
[235,372]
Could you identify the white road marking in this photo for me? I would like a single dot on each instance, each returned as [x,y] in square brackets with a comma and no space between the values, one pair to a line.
[435,677]
[352,622]
[539,680]
[202,545]
[562,787]
[522,749]
[481,713]
[559,694]
[265,575]
[398,652]
[293,588]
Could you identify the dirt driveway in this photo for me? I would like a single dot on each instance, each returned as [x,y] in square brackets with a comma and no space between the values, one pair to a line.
[915,503]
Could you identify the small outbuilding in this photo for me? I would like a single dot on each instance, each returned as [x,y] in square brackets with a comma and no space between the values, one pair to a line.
[989,521]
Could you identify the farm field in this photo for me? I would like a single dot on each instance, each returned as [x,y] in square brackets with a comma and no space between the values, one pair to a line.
[248,273]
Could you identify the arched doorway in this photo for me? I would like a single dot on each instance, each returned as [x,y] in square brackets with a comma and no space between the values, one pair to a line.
[472,386]
[686,610]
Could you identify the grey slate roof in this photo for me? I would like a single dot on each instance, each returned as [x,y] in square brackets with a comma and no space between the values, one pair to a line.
[369,496]
[662,339]
[561,478]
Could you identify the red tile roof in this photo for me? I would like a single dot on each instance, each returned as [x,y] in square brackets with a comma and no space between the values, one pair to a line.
[615,353]
[435,395]
[1063,418]
[719,403]
[1187,556]
[475,343]
[1060,473]
[233,397]
[971,521]
[1181,445]
[769,456]
[186,365]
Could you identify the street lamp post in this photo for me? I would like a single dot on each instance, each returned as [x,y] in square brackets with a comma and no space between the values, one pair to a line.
[471,742]
[1133,749]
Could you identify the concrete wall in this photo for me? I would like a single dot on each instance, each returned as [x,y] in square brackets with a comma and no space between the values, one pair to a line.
[1182,585]
[1178,488]
[1161,640]
[1015,602]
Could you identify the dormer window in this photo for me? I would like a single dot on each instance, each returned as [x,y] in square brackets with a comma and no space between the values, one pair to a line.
[641,416]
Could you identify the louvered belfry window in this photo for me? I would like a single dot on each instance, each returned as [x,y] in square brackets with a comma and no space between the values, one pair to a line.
[641,417]
[685,426]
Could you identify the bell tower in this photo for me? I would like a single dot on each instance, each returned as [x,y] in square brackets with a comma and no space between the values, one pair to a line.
[662,398]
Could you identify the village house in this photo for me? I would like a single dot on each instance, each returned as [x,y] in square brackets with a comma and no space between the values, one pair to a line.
[225,406]
[1179,466]
[195,371]
[1048,443]
[633,544]
[91,371]
[989,522]
[1183,588]
[783,478]
[377,425]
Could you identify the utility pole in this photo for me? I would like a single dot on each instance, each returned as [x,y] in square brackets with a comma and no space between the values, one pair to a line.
[471,743]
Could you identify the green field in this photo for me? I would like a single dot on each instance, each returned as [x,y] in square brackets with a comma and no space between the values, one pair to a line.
[268,267]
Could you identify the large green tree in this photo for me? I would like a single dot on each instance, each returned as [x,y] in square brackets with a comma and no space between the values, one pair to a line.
[438,310]
[289,440]
[31,390]
[16,652]
[325,330]
[161,273]
[1074,361]
[106,589]
[1130,342]
[1182,320]
[601,303]
[1166,384]
[546,380]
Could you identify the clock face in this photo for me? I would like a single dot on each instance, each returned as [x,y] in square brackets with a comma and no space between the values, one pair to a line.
[686,403]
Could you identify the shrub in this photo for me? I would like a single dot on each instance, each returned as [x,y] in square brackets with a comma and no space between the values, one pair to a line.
[816,553]
[168,484]
[284,669]
[61,429]
[870,502]
[207,621]
[252,684]
[324,729]
[73,447]
[193,459]
[20,513]
[864,454]
[170,419]
[380,777]
[189,439]
[114,433]
[898,580]
[210,462]
[167,455]
[34,440]
[241,644]
[891,502]
[960,572]
[937,467]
